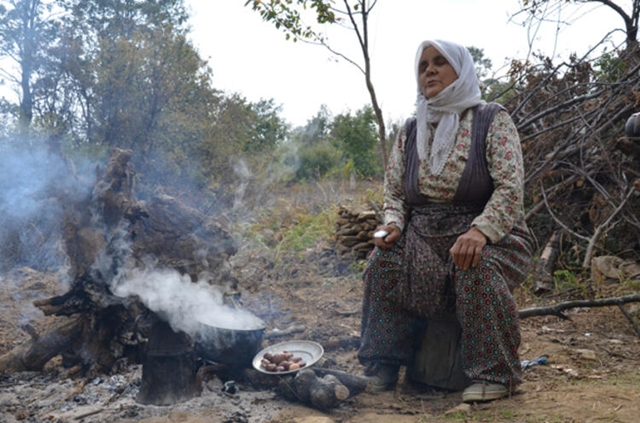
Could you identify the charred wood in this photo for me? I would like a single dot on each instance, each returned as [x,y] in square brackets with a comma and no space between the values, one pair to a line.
[323,393]
[35,353]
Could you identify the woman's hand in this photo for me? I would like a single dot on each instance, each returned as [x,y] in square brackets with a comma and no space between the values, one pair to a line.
[386,242]
[467,248]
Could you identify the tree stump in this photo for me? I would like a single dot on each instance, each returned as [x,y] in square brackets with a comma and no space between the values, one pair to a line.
[107,229]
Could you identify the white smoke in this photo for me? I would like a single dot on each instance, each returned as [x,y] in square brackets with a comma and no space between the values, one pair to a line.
[184,304]
[35,186]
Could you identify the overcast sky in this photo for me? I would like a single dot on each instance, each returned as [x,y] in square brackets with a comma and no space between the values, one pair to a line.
[253,58]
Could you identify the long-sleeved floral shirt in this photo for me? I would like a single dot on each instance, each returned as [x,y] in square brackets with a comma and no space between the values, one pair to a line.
[504,158]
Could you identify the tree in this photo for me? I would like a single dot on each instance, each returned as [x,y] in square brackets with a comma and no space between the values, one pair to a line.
[483,64]
[311,154]
[268,129]
[317,128]
[483,67]
[131,59]
[26,28]
[355,15]
[355,137]
[536,11]
[126,76]
[240,144]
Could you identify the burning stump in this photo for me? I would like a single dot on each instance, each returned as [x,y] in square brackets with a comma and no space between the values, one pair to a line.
[107,230]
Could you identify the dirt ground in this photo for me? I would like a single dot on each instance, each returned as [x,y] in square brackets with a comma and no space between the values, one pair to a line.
[592,374]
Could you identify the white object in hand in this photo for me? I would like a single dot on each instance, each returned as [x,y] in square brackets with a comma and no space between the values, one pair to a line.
[380,234]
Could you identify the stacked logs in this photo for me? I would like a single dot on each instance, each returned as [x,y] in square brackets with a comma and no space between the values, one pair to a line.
[354,230]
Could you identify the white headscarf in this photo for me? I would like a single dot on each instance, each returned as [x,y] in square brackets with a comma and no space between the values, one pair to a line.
[446,107]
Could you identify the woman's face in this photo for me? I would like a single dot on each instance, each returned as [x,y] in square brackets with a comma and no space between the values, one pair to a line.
[435,73]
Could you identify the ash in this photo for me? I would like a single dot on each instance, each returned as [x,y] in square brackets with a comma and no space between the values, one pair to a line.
[57,398]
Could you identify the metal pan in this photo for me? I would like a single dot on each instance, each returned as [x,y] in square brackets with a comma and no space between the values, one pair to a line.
[309,351]
[234,347]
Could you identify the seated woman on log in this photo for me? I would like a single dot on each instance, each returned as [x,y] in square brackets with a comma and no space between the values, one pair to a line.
[456,240]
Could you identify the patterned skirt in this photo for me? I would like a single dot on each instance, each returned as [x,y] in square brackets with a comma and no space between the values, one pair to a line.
[416,279]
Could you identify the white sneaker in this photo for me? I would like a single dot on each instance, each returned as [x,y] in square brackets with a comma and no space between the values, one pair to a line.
[481,390]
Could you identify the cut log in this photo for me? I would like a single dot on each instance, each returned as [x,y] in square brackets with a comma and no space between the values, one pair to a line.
[302,385]
[327,393]
[354,383]
[354,229]
[323,393]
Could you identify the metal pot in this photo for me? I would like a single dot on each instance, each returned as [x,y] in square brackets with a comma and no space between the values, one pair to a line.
[235,347]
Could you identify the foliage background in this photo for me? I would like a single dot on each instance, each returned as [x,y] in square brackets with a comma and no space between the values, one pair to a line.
[95,75]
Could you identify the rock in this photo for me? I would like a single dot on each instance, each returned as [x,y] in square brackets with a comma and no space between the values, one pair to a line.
[589,355]
[605,267]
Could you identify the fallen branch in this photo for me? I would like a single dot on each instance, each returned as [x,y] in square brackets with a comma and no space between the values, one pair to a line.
[557,309]
[347,342]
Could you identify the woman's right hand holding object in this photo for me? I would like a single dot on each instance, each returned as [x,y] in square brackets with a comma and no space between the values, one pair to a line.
[386,241]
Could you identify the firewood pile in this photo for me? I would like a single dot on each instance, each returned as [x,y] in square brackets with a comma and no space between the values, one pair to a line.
[354,231]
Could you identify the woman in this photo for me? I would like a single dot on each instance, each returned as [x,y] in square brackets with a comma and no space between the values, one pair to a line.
[456,240]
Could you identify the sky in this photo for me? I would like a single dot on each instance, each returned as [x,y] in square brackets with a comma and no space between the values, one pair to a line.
[253,58]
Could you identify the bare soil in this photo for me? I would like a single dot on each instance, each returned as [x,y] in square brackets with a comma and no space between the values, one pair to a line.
[592,373]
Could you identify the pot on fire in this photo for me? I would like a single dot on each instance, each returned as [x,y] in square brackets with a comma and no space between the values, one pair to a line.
[235,345]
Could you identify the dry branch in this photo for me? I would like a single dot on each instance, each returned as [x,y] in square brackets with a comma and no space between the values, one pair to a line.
[272,334]
[557,309]
[630,318]
[571,121]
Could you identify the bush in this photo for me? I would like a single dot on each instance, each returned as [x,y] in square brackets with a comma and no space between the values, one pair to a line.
[317,161]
